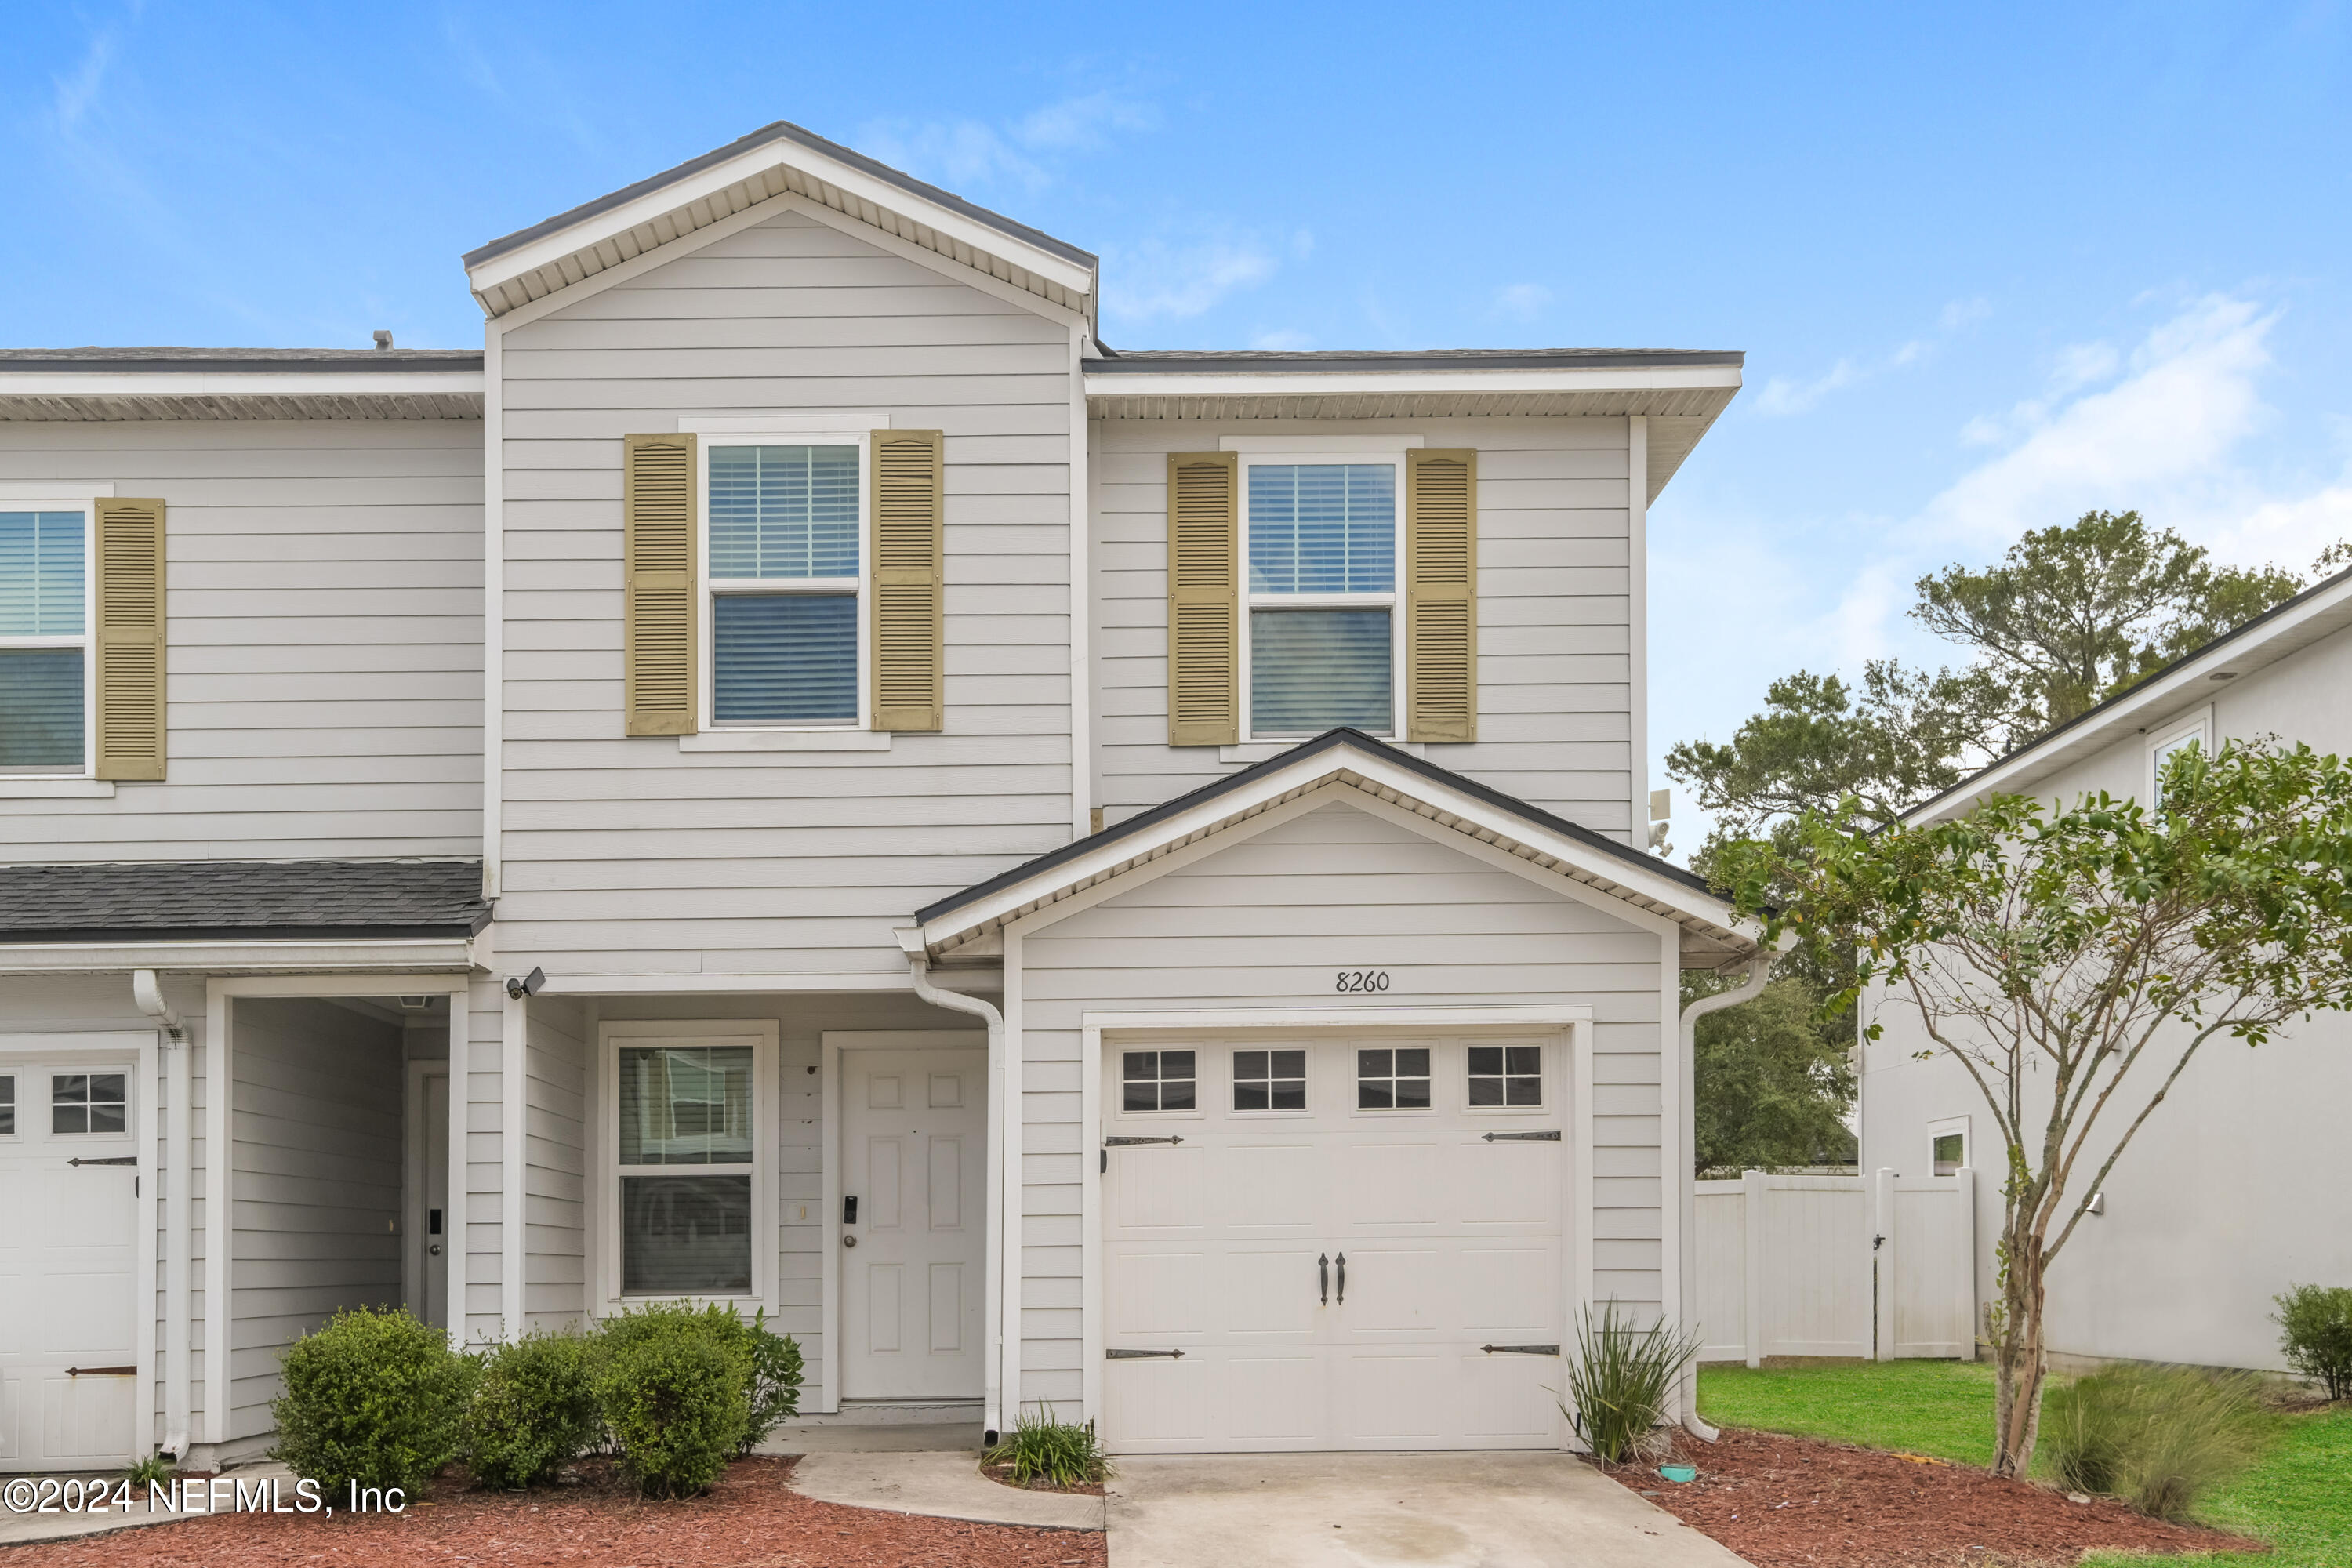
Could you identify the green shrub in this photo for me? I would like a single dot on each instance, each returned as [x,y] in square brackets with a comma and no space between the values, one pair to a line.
[2158,1437]
[775,1392]
[533,1411]
[2315,1332]
[375,1397]
[1620,1381]
[1058,1452]
[674,1385]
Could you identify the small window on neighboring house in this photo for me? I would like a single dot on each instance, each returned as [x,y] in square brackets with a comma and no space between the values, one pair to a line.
[43,641]
[2171,745]
[1321,559]
[788,579]
[1505,1075]
[1269,1080]
[8,1107]
[88,1102]
[1947,1144]
[1392,1081]
[1158,1081]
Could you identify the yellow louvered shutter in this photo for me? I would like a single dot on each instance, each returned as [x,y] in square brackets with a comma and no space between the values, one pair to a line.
[658,548]
[1441,595]
[909,580]
[130,644]
[1205,700]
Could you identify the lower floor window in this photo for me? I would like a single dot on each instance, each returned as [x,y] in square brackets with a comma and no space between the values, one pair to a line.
[1312,670]
[1505,1075]
[1392,1081]
[88,1102]
[1156,1081]
[685,1236]
[1269,1080]
[40,710]
[783,659]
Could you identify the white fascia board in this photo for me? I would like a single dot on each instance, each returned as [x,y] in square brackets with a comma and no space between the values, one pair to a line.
[589,231]
[1409,380]
[1272,787]
[2324,614]
[241,383]
[401,956]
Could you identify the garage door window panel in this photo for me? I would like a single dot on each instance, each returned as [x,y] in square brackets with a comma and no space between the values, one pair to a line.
[88,1102]
[1393,1079]
[1505,1078]
[7,1106]
[1154,1082]
[1269,1081]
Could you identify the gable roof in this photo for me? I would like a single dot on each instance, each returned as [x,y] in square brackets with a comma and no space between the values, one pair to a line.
[1712,934]
[776,160]
[2318,612]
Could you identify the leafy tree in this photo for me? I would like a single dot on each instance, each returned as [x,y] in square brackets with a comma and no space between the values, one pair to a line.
[1774,1080]
[2074,962]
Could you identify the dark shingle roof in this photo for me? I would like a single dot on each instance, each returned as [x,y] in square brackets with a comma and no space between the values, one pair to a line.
[242,900]
[94,357]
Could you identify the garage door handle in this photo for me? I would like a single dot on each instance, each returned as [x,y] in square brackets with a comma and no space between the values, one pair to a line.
[102,1372]
[1323,1275]
[1343,1280]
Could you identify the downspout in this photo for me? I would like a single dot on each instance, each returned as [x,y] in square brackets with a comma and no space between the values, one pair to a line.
[147,992]
[991,1376]
[1759,968]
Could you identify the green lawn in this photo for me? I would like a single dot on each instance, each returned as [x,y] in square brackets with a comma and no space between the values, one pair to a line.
[2299,1498]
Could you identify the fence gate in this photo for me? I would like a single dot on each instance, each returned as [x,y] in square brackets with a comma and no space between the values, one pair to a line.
[1881,1266]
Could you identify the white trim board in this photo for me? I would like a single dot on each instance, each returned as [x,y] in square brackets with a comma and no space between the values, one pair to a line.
[832,1043]
[1574,1022]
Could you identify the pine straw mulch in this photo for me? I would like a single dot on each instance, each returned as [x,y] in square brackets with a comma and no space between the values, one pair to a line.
[751,1519]
[1796,1503]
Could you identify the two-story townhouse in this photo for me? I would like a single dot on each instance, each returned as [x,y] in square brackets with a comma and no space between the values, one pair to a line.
[1106,878]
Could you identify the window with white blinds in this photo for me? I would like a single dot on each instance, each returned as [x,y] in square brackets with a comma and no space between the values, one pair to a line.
[43,641]
[788,581]
[1321,548]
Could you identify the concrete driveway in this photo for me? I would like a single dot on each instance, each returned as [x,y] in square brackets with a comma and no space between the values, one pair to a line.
[1379,1511]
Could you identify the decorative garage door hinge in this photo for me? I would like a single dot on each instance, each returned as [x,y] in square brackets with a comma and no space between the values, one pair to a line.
[1130,1142]
[111,1160]
[1551,1137]
[102,1372]
[1143,1355]
[1520,1350]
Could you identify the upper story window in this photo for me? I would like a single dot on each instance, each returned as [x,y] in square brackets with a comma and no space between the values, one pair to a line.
[788,580]
[45,641]
[2195,732]
[1322,647]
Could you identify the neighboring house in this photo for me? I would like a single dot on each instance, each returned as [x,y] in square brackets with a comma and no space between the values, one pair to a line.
[1020,860]
[2235,1188]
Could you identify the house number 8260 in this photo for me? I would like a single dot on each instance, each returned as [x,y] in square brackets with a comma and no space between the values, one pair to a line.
[1362,980]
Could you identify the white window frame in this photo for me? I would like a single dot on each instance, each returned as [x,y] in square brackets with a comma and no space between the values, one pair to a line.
[1393,600]
[766,1103]
[1200,1108]
[2195,725]
[87,641]
[1946,1129]
[15,1102]
[1233,1079]
[713,586]
[1544,1066]
[1441,1060]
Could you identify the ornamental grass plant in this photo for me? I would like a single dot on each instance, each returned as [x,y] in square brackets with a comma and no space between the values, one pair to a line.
[1043,1448]
[1620,1381]
[2158,1437]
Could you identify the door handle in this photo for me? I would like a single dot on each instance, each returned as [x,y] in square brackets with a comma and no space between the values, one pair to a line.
[1323,1273]
[1343,1280]
[435,1250]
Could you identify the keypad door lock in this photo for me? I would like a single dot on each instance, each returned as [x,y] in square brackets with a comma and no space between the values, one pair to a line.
[848,1218]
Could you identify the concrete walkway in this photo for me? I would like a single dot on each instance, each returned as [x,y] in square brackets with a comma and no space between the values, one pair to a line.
[945,1483]
[1381,1511]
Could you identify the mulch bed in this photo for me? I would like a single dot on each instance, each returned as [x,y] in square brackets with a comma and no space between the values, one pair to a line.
[752,1519]
[1794,1502]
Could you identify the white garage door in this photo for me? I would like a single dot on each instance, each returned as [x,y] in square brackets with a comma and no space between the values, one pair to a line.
[68,1266]
[1340,1232]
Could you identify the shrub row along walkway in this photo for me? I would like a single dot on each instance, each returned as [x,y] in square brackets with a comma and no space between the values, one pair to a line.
[751,1517]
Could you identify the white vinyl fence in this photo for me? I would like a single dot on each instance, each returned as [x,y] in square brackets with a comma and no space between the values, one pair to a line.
[1880,1266]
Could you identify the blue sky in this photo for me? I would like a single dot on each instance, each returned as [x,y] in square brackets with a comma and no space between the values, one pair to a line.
[1992,266]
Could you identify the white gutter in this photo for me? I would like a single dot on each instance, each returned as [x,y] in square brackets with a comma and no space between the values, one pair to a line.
[1177,382]
[177,1178]
[1759,968]
[403,955]
[999,1113]
[358,382]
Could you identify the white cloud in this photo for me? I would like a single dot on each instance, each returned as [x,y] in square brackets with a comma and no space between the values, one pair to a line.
[1155,280]
[1522,302]
[77,91]
[973,152]
[1784,397]
[1279,342]
[1083,124]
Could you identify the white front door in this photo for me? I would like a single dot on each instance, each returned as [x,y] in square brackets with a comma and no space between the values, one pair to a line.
[914,1166]
[69,1313]
[1355,1244]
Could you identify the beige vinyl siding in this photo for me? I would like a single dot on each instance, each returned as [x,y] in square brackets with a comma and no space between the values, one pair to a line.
[316,1121]
[324,667]
[1554,610]
[1266,923]
[556,1054]
[476,1063]
[629,855]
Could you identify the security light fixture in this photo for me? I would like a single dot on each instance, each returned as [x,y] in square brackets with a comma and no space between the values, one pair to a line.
[521,985]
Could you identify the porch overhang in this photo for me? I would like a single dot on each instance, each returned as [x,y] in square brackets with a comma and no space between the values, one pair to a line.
[1713,935]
